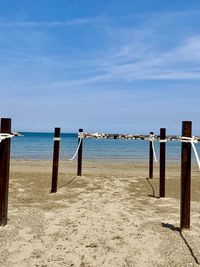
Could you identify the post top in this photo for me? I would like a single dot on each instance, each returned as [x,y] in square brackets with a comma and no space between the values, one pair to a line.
[187,122]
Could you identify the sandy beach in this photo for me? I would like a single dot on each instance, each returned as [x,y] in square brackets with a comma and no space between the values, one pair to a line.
[111,216]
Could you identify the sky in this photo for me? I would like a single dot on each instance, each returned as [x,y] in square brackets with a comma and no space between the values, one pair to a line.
[104,66]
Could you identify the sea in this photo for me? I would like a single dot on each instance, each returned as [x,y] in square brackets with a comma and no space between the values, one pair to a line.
[39,146]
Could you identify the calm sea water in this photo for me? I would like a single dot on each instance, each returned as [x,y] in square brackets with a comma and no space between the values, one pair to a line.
[40,146]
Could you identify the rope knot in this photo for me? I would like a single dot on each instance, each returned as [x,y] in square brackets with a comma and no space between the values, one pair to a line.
[4,136]
[192,140]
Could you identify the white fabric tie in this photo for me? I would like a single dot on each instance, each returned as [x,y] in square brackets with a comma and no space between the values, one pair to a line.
[192,141]
[56,138]
[152,139]
[4,136]
[163,140]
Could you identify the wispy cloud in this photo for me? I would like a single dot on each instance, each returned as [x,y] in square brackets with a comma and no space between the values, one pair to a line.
[178,63]
[101,68]
[132,54]
[117,69]
[73,22]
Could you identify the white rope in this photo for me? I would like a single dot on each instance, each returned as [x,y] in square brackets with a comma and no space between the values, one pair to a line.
[56,138]
[152,139]
[81,135]
[162,140]
[76,152]
[4,136]
[192,141]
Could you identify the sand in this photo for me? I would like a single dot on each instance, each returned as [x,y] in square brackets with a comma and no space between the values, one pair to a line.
[111,216]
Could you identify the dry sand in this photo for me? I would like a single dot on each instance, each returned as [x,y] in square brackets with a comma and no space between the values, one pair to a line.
[111,216]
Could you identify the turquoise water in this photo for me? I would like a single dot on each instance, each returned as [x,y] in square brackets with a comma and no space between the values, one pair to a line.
[40,146]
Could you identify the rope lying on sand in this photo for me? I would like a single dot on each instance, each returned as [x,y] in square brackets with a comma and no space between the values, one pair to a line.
[192,141]
[4,136]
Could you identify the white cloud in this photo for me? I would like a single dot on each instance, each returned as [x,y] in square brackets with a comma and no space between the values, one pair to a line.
[180,62]
[73,22]
[132,54]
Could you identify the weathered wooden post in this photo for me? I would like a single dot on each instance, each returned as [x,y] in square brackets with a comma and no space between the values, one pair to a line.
[151,157]
[4,170]
[185,176]
[55,160]
[162,161]
[80,152]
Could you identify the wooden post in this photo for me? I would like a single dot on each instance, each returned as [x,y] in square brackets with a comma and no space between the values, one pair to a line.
[162,161]
[4,171]
[80,152]
[151,158]
[185,176]
[55,160]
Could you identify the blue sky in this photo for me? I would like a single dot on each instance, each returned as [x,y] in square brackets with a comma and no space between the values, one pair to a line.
[107,66]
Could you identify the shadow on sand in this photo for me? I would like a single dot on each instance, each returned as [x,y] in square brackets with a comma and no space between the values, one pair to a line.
[177,229]
[152,188]
[69,182]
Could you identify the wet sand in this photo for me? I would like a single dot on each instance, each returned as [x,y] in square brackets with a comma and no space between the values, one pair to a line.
[111,216]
